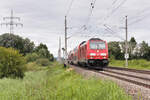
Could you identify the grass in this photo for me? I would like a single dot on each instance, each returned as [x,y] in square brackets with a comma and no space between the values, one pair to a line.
[56,83]
[32,66]
[134,64]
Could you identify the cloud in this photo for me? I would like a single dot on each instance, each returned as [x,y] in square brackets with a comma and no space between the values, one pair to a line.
[44,20]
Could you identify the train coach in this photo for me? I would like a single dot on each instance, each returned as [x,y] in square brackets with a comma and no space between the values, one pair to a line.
[91,53]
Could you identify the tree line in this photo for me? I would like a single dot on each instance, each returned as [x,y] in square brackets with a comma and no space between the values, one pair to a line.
[135,50]
[16,52]
[25,46]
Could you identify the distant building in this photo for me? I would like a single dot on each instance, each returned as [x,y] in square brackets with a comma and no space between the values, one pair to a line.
[59,51]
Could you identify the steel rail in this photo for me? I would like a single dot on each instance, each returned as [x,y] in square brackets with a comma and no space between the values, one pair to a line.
[128,75]
[123,74]
[130,70]
[128,80]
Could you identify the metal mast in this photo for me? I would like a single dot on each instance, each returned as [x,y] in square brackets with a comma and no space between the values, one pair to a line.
[126,42]
[11,22]
[65,37]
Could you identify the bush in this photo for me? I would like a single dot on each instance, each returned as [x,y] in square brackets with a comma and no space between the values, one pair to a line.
[11,63]
[32,57]
[43,62]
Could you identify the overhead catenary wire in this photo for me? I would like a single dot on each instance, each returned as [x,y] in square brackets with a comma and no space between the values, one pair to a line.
[139,13]
[115,9]
[69,8]
[139,18]
[92,6]
[110,30]
[84,26]
[114,2]
[110,14]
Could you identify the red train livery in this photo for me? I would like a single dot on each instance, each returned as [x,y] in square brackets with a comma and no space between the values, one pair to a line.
[91,53]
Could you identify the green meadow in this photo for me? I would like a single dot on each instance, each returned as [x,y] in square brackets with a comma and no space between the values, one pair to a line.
[56,83]
[134,64]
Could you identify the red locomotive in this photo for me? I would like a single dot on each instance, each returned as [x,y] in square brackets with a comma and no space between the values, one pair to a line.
[93,52]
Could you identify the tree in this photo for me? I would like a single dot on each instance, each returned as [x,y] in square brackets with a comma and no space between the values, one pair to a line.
[43,52]
[23,45]
[115,50]
[132,46]
[28,46]
[145,50]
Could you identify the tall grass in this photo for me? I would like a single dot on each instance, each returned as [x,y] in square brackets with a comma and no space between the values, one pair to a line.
[57,83]
[135,64]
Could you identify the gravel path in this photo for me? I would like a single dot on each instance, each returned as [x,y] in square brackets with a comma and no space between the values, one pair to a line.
[138,92]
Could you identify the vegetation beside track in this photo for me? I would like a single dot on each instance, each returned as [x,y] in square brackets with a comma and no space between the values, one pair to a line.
[56,83]
[134,64]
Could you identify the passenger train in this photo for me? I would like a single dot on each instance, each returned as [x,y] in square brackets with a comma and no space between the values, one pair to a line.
[91,53]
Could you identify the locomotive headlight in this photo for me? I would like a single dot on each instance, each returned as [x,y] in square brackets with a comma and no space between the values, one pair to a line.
[92,54]
[103,54]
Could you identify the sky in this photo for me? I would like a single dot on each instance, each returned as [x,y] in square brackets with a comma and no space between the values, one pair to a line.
[43,20]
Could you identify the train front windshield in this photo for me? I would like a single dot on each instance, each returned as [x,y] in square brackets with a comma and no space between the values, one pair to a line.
[97,45]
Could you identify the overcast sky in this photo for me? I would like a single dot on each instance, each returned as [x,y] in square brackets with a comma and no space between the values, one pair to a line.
[44,20]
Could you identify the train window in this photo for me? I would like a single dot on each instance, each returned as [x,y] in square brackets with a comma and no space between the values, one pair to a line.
[97,45]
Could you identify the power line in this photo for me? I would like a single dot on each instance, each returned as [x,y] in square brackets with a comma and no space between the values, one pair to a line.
[139,19]
[110,14]
[114,9]
[114,2]
[92,6]
[11,23]
[138,14]
[84,26]
[69,8]
[110,30]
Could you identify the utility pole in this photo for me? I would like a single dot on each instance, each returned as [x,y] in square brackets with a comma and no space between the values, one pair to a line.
[126,43]
[11,22]
[65,37]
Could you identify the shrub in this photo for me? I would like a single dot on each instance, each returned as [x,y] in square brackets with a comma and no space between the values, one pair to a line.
[43,62]
[32,57]
[11,63]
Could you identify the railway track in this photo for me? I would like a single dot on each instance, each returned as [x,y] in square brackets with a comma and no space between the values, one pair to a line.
[130,70]
[138,77]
